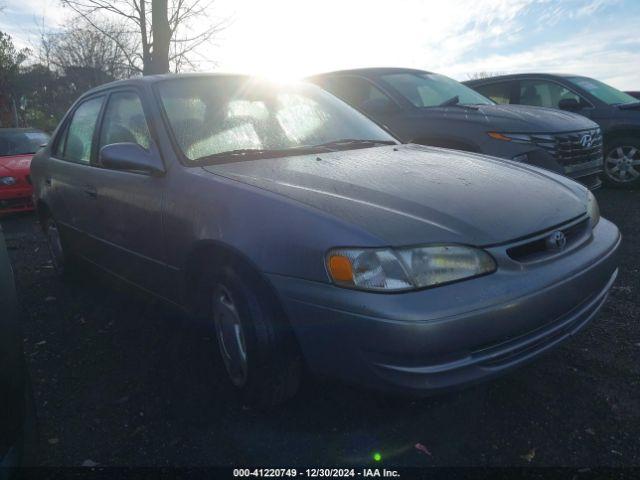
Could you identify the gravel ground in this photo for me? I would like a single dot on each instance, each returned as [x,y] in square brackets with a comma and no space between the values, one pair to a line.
[122,380]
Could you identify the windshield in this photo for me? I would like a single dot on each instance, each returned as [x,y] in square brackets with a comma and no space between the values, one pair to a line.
[432,90]
[21,143]
[214,116]
[602,91]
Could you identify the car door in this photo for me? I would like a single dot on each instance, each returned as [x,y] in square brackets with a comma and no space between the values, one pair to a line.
[127,225]
[66,178]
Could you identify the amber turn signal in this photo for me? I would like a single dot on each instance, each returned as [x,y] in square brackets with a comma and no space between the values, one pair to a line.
[499,136]
[340,268]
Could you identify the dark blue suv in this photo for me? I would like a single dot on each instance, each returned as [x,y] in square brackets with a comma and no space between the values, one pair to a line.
[431,109]
[617,113]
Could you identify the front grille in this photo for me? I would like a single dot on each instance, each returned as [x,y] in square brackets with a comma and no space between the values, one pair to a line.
[571,151]
[538,249]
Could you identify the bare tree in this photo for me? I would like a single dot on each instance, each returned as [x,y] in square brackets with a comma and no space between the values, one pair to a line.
[165,28]
[97,54]
[482,74]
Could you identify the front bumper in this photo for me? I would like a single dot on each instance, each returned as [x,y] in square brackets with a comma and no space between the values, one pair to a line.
[13,200]
[449,336]
[588,173]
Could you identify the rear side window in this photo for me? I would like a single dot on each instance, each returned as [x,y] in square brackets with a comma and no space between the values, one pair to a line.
[541,93]
[79,139]
[498,92]
[124,121]
[62,141]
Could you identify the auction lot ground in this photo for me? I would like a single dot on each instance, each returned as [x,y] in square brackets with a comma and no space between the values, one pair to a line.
[120,380]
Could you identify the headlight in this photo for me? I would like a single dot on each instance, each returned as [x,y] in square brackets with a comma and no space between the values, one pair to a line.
[389,270]
[593,210]
[537,138]
[8,181]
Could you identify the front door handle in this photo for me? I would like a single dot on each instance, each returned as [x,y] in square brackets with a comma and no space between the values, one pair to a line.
[91,191]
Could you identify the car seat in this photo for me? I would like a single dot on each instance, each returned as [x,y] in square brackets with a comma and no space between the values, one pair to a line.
[530,96]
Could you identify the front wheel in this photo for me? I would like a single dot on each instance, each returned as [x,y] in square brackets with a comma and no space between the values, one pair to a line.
[622,163]
[255,341]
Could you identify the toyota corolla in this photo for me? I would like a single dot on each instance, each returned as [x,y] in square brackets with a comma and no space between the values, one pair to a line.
[303,235]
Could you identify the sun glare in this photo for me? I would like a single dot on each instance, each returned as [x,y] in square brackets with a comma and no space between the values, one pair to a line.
[284,49]
[280,75]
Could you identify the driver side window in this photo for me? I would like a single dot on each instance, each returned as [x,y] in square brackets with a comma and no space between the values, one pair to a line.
[541,93]
[124,121]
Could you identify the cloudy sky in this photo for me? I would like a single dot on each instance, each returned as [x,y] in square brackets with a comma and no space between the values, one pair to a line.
[290,38]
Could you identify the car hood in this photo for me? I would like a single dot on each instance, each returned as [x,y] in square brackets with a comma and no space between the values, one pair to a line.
[15,164]
[410,194]
[629,106]
[517,118]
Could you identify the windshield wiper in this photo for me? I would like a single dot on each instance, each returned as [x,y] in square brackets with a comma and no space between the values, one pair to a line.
[347,143]
[256,153]
[455,100]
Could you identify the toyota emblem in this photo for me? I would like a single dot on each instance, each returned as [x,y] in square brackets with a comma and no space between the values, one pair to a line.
[556,241]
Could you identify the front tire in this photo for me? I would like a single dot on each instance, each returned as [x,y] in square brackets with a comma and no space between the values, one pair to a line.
[622,163]
[256,343]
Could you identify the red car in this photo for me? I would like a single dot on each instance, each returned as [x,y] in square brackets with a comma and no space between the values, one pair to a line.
[17,146]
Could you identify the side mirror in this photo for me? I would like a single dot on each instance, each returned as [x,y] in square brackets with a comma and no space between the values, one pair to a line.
[131,157]
[569,104]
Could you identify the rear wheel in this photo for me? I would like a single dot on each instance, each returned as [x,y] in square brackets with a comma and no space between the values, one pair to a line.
[256,344]
[622,163]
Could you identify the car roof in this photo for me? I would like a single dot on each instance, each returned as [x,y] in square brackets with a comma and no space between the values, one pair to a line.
[151,79]
[516,76]
[369,72]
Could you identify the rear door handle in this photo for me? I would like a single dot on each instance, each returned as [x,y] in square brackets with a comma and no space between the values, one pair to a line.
[91,191]
[47,181]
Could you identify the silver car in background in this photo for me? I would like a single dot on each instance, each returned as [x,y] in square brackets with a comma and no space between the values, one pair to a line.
[302,234]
